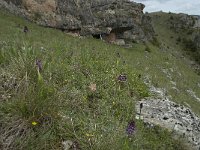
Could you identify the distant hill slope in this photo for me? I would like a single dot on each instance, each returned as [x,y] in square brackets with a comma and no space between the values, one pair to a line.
[197,16]
[179,31]
[58,90]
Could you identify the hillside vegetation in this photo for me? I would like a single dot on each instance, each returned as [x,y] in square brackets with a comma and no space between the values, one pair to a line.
[56,88]
[183,59]
[178,31]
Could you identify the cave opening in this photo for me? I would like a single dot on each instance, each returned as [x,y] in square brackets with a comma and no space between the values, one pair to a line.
[97,36]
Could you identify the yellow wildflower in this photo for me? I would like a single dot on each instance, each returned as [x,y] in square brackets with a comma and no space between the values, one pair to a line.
[89,135]
[34,123]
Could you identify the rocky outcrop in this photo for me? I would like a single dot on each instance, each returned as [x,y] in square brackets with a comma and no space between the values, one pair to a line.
[179,119]
[122,18]
[197,39]
[174,117]
[197,22]
[182,21]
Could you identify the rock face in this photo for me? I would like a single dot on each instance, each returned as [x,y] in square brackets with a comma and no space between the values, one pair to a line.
[172,116]
[121,18]
[183,21]
[197,40]
[179,119]
[197,21]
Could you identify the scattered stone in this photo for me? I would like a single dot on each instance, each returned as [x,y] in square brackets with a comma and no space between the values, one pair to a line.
[167,73]
[193,94]
[175,89]
[173,83]
[67,145]
[198,85]
[93,87]
[119,42]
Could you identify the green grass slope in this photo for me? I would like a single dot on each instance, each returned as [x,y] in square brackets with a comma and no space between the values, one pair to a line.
[39,109]
[178,33]
[178,61]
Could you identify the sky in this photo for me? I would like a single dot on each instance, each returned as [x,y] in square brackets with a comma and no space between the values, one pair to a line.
[191,7]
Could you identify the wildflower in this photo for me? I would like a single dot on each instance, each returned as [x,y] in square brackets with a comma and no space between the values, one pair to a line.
[117,62]
[42,48]
[131,128]
[118,54]
[122,78]
[25,29]
[93,87]
[141,106]
[39,65]
[89,135]
[34,123]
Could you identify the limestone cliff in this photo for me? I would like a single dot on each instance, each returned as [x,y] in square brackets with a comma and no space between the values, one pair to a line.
[122,18]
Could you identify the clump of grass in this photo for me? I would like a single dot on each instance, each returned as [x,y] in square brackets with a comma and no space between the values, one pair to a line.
[147,49]
[189,45]
[59,84]
[179,39]
[155,42]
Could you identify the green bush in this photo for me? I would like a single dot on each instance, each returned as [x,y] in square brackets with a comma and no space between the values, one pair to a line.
[178,39]
[189,45]
[147,49]
[155,42]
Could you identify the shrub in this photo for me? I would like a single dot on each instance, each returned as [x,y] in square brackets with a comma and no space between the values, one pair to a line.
[155,42]
[178,39]
[171,17]
[189,45]
[147,49]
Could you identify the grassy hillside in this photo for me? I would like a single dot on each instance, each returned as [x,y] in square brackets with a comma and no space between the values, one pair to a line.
[181,73]
[177,33]
[57,88]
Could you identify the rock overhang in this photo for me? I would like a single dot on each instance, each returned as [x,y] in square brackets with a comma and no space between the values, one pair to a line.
[85,17]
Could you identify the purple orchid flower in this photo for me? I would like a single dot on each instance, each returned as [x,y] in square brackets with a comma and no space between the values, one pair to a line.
[130,130]
[39,65]
[122,78]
